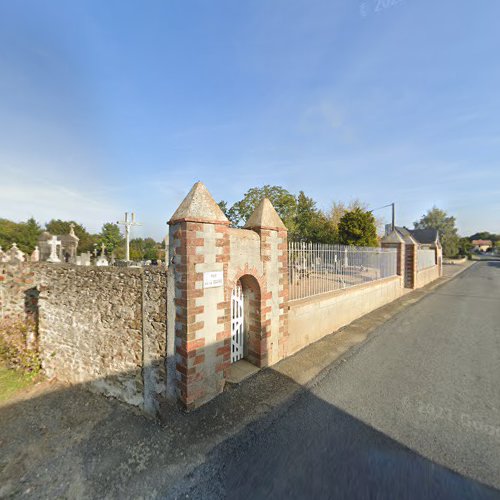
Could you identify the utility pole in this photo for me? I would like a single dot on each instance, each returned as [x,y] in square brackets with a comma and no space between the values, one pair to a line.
[128,224]
[393,206]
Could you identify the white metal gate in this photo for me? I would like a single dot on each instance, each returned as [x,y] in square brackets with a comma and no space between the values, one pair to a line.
[237,334]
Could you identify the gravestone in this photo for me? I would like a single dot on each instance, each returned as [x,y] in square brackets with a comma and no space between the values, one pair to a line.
[14,254]
[83,259]
[102,260]
[53,244]
[35,256]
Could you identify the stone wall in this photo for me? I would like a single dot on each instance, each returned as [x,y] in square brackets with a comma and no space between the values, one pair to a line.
[103,327]
[425,276]
[18,294]
[312,318]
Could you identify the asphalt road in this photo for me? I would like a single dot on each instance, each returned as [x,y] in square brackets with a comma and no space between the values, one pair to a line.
[412,413]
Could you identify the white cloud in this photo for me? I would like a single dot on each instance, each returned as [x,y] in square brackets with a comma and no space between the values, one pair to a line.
[25,195]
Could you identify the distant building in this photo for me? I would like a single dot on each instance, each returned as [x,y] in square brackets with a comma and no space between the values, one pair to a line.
[482,245]
[425,238]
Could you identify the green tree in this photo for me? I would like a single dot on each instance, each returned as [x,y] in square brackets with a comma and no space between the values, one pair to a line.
[86,240]
[151,248]
[310,224]
[144,249]
[357,227]
[31,231]
[283,201]
[464,247]
[24,234]
[339,208]
[223,206]
[111,237]
[438,219]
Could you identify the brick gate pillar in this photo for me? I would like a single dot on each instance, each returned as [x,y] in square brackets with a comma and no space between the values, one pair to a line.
[394,240]
[199,253]
[274,254]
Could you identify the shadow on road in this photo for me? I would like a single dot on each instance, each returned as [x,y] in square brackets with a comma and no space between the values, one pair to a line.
[266,437]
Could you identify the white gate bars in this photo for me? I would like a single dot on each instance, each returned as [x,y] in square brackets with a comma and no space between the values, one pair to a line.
[237,334]
[316,268]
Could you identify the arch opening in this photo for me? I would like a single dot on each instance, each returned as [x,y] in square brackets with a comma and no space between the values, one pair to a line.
[246,320]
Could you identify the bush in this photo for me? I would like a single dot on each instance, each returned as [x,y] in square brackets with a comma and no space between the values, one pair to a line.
[357,227]
[17,348]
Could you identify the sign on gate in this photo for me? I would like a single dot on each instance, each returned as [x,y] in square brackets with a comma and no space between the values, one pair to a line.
[213,279]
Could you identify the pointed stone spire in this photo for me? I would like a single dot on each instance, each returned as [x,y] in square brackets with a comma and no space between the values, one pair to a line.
[265,217]
[199,206]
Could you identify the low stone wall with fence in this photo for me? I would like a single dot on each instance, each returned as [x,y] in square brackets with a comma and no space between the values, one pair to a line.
[332,285]
[312,318]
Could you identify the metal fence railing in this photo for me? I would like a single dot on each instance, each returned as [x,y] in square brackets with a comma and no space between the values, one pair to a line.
[425,258]
[315,268]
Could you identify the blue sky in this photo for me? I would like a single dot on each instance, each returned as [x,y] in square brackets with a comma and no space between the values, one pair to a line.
[120,105]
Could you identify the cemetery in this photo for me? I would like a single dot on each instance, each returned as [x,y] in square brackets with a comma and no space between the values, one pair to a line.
[173,332]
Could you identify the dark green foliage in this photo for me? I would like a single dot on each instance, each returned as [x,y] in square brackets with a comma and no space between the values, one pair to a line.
[25,234]
[144,249]
[299,213]
[464,247]
[310,224]
[445,225]
[111,237]
[283,201]
[357,227]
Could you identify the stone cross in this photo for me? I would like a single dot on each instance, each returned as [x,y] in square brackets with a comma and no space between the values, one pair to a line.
[128,225]
[54,243]
[102,260]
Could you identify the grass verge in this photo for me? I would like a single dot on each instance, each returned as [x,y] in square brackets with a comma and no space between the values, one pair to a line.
[12,381]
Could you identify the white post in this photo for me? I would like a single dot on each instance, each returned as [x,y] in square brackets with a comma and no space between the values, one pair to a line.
[127,238]
[127,224]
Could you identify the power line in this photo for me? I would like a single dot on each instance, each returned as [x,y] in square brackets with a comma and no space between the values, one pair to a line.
[393,205]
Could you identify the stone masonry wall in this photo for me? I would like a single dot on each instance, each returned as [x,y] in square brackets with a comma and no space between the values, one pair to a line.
[17,291]
[105,327]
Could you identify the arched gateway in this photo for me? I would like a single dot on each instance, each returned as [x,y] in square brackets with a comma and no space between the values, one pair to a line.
[227,293]
[246,326]
[238,333]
